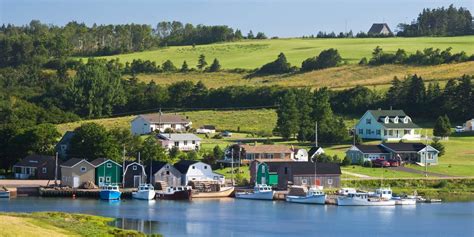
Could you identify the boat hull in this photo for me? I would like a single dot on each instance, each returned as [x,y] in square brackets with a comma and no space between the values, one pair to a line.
[314,199]
[4,194]
[177,195]
[225,192]
[110,195]
[405,202]
[344,201]
[144,195]
[255,196]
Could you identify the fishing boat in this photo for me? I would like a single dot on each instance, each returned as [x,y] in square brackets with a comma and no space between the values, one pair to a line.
[313,196]
[363,199]
[4,193]
[144,192]
[387,194]
[223,192]
[110,192]
[260,192]
[175,193]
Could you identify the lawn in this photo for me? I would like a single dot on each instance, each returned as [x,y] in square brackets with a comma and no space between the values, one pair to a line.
[379,172]
[347,76]
[251,54]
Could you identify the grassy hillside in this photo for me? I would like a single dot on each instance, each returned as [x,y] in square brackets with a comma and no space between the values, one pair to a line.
[254,53]
[340,77]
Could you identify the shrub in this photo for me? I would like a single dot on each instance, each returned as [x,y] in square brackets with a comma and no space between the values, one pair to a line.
[346,161]
[441,184]
[367,163]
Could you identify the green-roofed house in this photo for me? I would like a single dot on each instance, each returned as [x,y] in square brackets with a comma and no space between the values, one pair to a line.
[107,172]
[387,125]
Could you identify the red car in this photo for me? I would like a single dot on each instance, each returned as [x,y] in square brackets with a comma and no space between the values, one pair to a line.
[394,163]
[379,162]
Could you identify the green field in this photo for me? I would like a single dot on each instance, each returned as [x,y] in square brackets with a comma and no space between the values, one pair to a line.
[250,54]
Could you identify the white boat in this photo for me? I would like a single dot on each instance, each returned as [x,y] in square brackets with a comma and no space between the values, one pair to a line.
[362,199]
[145,192]
[387,194]
[260,192]
[313,196]
[404,201]
[4,193]
[346,191]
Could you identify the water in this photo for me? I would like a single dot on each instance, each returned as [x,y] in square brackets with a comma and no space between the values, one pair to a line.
[231,217]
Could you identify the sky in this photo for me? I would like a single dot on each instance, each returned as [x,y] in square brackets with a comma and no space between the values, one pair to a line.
[283,18]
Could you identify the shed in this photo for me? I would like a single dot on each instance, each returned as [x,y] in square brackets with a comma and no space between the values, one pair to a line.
[107,172]
[133,175]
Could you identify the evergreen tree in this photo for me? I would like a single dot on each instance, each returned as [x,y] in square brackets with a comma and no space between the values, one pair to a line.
[442,127]
[168,66]
[279,66]
[305,124]
[238,35]
[215,66]
[250,35]
[184,67]
[202,62]
[330,128]
[436,144]
[287,123]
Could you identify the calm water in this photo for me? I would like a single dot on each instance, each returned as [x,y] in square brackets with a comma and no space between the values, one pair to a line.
[230,217]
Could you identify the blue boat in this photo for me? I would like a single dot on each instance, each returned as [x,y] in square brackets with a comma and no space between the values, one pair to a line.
[110,192]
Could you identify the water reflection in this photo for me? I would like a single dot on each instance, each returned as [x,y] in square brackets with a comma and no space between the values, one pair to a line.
[145,226]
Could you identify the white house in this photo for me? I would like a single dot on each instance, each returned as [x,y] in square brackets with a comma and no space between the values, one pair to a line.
[197,171]
[468,126]
[300,155]
[315,151]
[147,123]
[389,125]
[183,141]
[206,129]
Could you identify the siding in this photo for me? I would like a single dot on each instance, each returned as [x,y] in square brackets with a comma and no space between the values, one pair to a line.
[68,174]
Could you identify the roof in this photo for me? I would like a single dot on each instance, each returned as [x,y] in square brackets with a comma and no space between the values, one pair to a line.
[299,168]
[404,147]
[165,118]
[35,161]
[376,28]
[66,138]
[377,113]
[73,161]
[266,149]
[371,149]
[183,165]
[155,167]
[128,163]
[313,150]
[380,115]
[100,161]
[211,127]
[178,136]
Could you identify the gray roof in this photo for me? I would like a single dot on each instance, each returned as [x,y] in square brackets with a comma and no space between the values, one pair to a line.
[66,138]
[376,28]
[35,161]
[404,147]
[300,168]
[371,149]
[165,118]
[72,162]
[178,136]
[380,115]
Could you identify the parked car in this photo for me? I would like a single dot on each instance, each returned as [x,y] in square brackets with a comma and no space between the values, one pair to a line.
[394,163]
[226,134]
[459,129]
[379,162]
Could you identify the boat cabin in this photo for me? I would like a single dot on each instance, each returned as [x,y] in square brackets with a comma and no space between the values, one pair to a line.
[110,188]
[385,193]
[146,187]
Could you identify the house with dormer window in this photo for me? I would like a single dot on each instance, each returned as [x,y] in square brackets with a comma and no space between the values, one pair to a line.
[387,125]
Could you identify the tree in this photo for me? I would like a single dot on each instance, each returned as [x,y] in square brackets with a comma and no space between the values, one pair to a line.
[152,151]
[92,141]
[41,139]
[168,66]
[287,123]
[436,144]
[215,66]
[202,62]
[442,127]
[305,123]
[260,35]
[346,161]
[326,59]
[279,66]
[184,67]
[250,35]
[217,153]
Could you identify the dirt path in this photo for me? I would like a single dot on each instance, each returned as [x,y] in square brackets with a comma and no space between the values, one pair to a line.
[13,183]
[414,171]
[355,174]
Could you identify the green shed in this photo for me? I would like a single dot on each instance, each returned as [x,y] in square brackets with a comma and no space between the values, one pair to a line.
[107,172]
[264,176]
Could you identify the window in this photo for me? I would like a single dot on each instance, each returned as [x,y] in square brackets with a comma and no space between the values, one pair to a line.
[387,120]
[385,132]
[109,165]
[167,172]
[330,181]
[286,170]
[45,170]
[377,131]
[194,142]
[263,169]
[135,167]
[176,143]
[83,169]
[185,143]
[368,121]
[193,167]
[167,166]
[361,131]
[367,131]
[304,181]
[107,179]
[390,132]
[395,120]
[205,167]
[406,132]
[366,155]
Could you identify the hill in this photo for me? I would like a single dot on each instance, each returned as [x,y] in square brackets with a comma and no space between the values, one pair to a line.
[250,54]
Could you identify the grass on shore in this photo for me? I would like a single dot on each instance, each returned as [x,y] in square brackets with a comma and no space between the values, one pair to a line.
[54,224]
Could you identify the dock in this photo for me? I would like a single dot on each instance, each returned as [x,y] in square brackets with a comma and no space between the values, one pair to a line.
[75,193]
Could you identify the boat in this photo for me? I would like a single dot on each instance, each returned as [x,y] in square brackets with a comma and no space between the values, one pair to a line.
[175,193]
[346,191]
[4,193]
[363,199]
[387,194]
[144,192]
[313,196]
[110,192]
[260,192]
[404,201]
[223,192]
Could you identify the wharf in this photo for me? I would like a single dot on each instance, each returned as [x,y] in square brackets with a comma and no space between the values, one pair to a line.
[90,193]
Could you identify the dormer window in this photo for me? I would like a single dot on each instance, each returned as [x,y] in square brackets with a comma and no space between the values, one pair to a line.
[406,119]
[395,120]
[387,119]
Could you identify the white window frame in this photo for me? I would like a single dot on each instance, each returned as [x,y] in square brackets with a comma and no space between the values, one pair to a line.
[108,179]
[330,181]
[135,167]
[44,170]
[109,165]
[83,169]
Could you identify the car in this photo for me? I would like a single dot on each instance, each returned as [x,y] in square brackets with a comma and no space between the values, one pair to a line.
[226,134]
[394,163]
[380,162]
[459,129]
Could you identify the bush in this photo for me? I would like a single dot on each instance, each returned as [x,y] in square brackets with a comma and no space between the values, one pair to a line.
[217,136]
[326,59]
[346,161]
[367,163]
[279,66]
[441,184]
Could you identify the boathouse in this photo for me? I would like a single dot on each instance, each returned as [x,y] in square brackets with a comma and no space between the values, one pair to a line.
[36,167]
[163,172]
[75,172]
[192,170]
[133,175]
[107,172]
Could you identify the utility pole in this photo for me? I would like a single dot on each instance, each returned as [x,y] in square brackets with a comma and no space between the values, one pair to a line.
[123,167]
[316,134]
[426,153]
[56,171]
[232,165]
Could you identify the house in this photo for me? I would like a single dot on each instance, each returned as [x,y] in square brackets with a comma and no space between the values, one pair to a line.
[469,125]
[183,141]
[36,167]
[107,172]
[163,172]
[280,174]
[264,151]
[62,148]
[409,152]
[147,123]
[75,172]
[206,129]
[197,171]
[360,153]
[133,175]
[388,125]
[300,155]
[379,29]
[314,152]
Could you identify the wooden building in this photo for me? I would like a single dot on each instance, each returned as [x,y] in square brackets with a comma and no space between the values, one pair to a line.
[75,172]
[107,172]
[133,175]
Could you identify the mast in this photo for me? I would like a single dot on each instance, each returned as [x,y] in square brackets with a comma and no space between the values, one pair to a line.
[315,158]
[316,135]
[426,152]
[56,170]
[232,165]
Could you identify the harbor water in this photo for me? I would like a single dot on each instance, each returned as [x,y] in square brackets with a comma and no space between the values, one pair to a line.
[232,217]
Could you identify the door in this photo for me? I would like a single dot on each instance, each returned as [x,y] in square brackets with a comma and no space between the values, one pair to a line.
[263,180]
[75,182]
[101,181]
[137,180]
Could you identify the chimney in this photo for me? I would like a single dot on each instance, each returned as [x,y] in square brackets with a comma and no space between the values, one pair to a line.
[390,107]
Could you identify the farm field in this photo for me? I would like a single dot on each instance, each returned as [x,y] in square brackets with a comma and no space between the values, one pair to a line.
[338,78]
[250,54]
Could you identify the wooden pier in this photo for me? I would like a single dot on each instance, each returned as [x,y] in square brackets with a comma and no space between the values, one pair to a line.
[75,193]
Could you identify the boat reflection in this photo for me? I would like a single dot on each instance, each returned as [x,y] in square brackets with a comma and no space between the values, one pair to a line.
[145,226]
